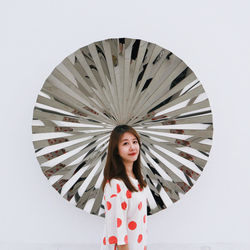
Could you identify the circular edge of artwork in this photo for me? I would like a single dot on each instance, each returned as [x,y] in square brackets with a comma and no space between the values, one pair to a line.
[122,81]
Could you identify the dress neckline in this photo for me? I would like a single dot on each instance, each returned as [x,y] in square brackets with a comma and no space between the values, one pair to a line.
[132,178]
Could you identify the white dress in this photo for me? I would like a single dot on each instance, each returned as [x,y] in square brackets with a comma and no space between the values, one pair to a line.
[125,216]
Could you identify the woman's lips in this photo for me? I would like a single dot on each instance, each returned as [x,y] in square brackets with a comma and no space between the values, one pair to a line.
[132,154]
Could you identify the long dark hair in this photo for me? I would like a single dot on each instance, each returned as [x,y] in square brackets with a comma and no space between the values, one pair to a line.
[114,167]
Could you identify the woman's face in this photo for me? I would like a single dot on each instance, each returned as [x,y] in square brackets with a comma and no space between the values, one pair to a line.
[128,147]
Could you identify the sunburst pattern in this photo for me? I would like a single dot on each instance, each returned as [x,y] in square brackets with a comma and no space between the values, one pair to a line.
[122,81]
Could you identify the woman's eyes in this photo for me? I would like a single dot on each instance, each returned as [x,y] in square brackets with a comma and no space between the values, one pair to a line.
[134,142]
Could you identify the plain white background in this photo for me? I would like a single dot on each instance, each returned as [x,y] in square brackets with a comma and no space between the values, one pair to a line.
[211,37]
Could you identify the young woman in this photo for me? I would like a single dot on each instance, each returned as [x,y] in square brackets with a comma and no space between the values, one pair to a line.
[124,193]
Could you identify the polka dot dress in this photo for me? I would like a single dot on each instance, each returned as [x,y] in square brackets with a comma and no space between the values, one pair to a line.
[125,216]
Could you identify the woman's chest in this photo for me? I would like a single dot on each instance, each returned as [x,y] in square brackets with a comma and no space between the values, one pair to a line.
[137,204]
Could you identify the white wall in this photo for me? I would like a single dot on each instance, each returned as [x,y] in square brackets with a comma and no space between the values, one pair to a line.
[212,37]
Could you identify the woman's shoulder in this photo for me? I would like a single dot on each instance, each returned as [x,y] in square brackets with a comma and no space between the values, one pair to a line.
[116,181]
[112,184]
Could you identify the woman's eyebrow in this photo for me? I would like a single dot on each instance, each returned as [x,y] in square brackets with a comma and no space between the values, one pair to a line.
[124,140]
[128,139]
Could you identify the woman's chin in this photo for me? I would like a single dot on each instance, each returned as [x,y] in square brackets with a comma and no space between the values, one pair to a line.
[133,157]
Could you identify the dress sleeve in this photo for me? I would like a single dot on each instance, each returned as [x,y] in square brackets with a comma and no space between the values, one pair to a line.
[116,206]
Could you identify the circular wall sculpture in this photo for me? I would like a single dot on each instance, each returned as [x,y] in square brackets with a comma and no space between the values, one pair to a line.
[122,81]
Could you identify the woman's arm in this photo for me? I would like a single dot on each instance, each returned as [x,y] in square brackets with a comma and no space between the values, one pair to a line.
[123,247]
[116,214]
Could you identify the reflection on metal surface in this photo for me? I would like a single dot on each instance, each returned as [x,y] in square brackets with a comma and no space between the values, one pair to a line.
[122,81]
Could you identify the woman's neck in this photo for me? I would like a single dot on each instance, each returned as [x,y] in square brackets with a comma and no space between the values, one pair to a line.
[129,168]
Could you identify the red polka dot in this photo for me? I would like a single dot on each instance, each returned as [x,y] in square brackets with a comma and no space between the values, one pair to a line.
[113,195]
[108,205]
[104,240]
[140,188]
[145,247]
[124,205]
[132,225]
[126,239]
[119,222]
[118,188]
[104,197]
[112,240]
[140,206]
[144,218]
[139,238]
[128,194]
